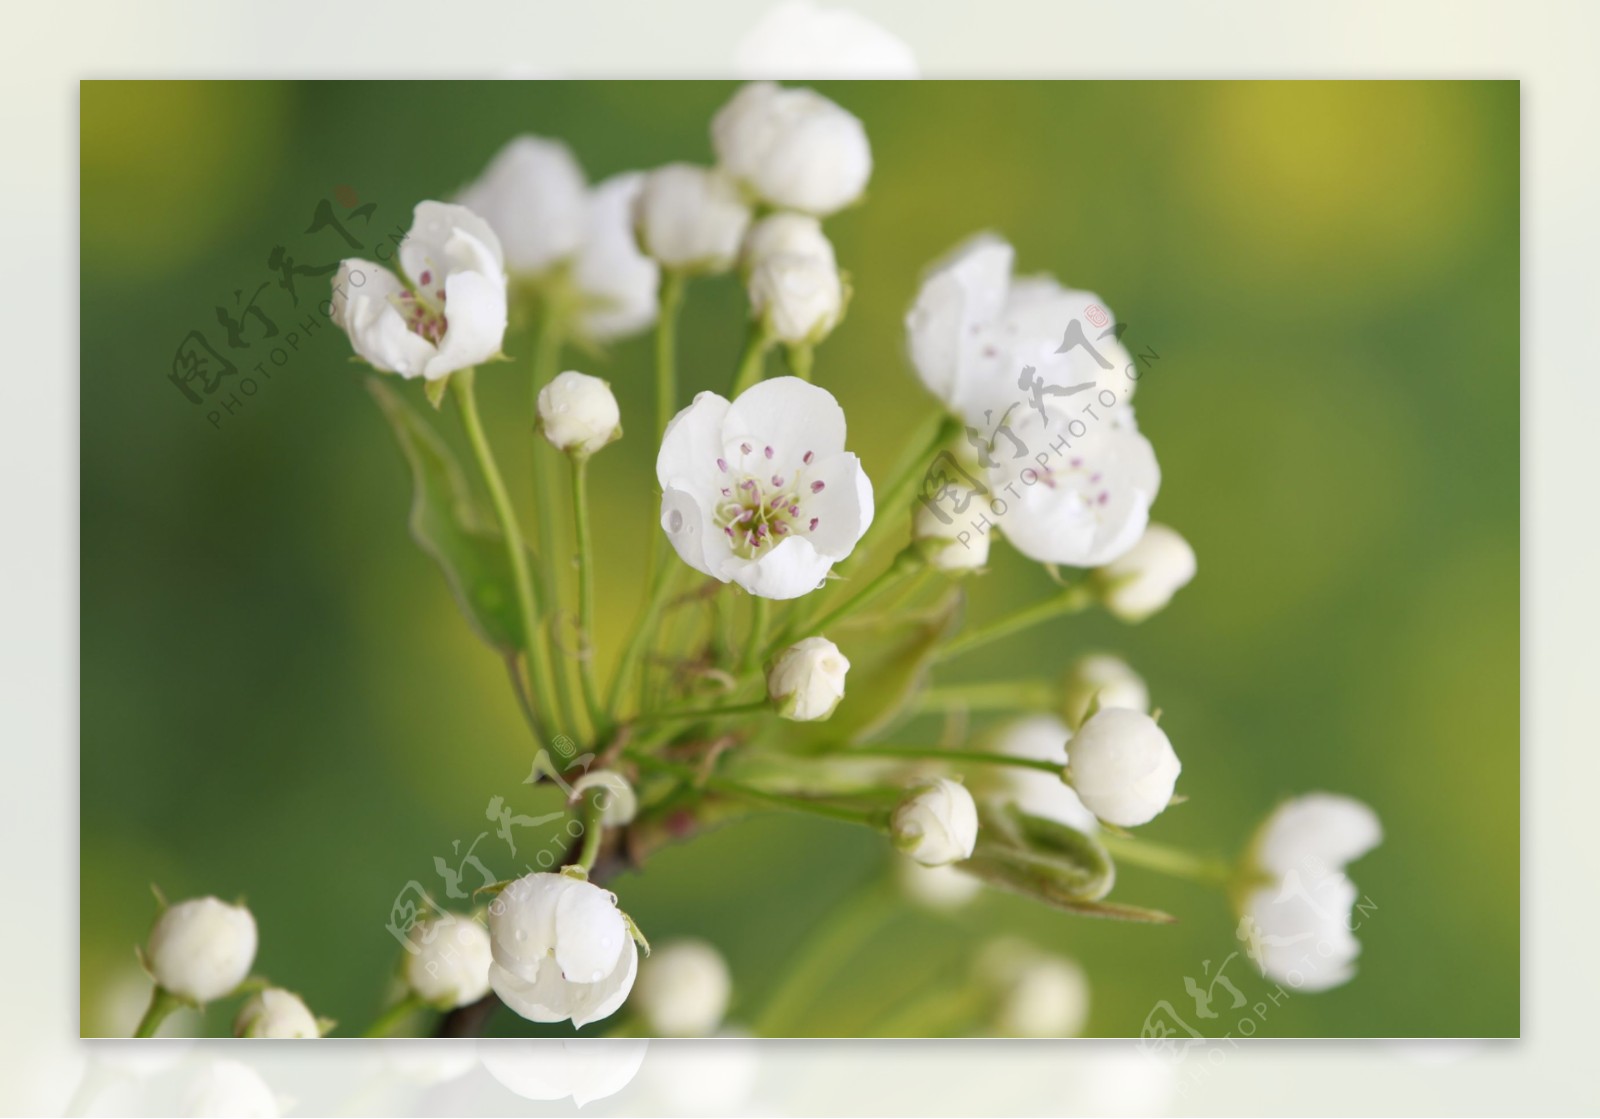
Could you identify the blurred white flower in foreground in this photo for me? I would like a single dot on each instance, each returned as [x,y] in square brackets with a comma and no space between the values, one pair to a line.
[793,278]
[534,196]
[806,682]
[616,283]
[586,1069]
[691,219]
[1123,767]
[715,1076]
[275,1013]
[936,824]
[230,1088]
[798,39]
[449,310]
[683,989]
[1144,578]
[1040,994]
[578,413]
[1042,738]
[1102,680]
[201,949]
[451,965]
[761,492]
[1299,923]
[794,148]
[561,949]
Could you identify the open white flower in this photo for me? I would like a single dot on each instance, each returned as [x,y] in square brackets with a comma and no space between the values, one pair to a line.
[1144,578]
[448,313]
[799,39]
[1123,767]
[761,492]
[806,682]
[617,283]
[1041,738]
[683,989]
[1100,679]
[795,148]
[794,283]
[936,824]
[691,219]
[578,413]
[534,197]
[561,949]
[451,965]
[201,949]
[275,1013]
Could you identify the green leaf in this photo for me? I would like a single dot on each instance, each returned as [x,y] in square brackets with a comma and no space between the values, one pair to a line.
[448,525]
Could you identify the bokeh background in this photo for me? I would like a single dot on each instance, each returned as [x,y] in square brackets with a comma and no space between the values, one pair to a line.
[280,701]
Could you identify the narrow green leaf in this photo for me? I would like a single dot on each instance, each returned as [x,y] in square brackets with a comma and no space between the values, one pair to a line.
[448,525]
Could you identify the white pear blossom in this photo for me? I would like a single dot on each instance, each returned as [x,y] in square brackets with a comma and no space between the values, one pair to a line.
[806,682]
[1041,738]
[799,39]
[794,148]
[578,413]
[691,219]
[1144,578]
[945,887]
[683,989]
[561,949]
[534,196]
[761,492]
[947,543]
[936,824]
[275,1012]
[1123,767]
[1040,994]
[449,310]
[1299,920]
[202,949]
[451,965]
[619,803]
[794,284]
[585,1069]
[227,1087]
[1101,680]
[617,283]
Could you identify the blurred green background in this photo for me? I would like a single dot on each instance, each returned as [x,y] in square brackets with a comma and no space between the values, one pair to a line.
[280,701]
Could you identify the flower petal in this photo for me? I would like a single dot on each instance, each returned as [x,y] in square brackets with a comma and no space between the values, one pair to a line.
[363,304]
[692,444]
[446,238]
[476,322]
[791,416]
[790,570]
[688,526]
[961,297]
[843,508]
[589,934]
[593,1001]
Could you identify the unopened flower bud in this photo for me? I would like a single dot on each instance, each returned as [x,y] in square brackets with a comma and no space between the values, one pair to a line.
[1101,680]
[806,682]
[275,1013]
[1041,994]
[800,298]
[683,989]
[937,824]
[578,413]
[948,546]
[1122,766]
[451,965]
[1143,579]
[561,949]
[793,147]
[619,804]
[202,949]
[691,219]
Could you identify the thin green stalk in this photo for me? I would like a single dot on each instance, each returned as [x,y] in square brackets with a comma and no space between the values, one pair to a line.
[849,926]
[753,361]
[934,1014]
[760,611]
[1175,862]
[461,383]
[800,360]
[976,757]
[384,1024]
[1077,597]
[692,776]
[650,611]
[991,695]
[592,831]
[695,714]
[893,499]
[908,561]
[162,1003]
[586,636]
[672,284]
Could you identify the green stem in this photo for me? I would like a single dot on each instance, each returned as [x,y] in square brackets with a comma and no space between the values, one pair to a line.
[162,1003]
[650,612]
[752,362]
[991,695]
[592,831]
[690,775]
[461,383]
[384,1024]
[908,561]
[1172,861]
[800,360]
[695,714]
[850,925]
[935,1014]
[586,637]
[933,754]
[1070,601]
[672,284]
[760,610]
[893,499]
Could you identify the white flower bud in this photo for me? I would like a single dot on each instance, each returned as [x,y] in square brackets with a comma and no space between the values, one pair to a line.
[800,298]
[785,233]
[806,682]
[620,803]
[683,989]
[949,546]
[451,965]
[579,413]
[1102,680]
[1122,766]
[1143,579]
[690,218]
[561,949]
[1041,995]
[937,824]
[937,887]
[1042,738]
[224,1087]
[534,196]
[202,949]
[275,1013]
[793,147]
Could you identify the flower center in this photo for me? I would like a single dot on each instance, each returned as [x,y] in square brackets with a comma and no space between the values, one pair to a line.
[424,317]
[756,509]
[1074,473]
